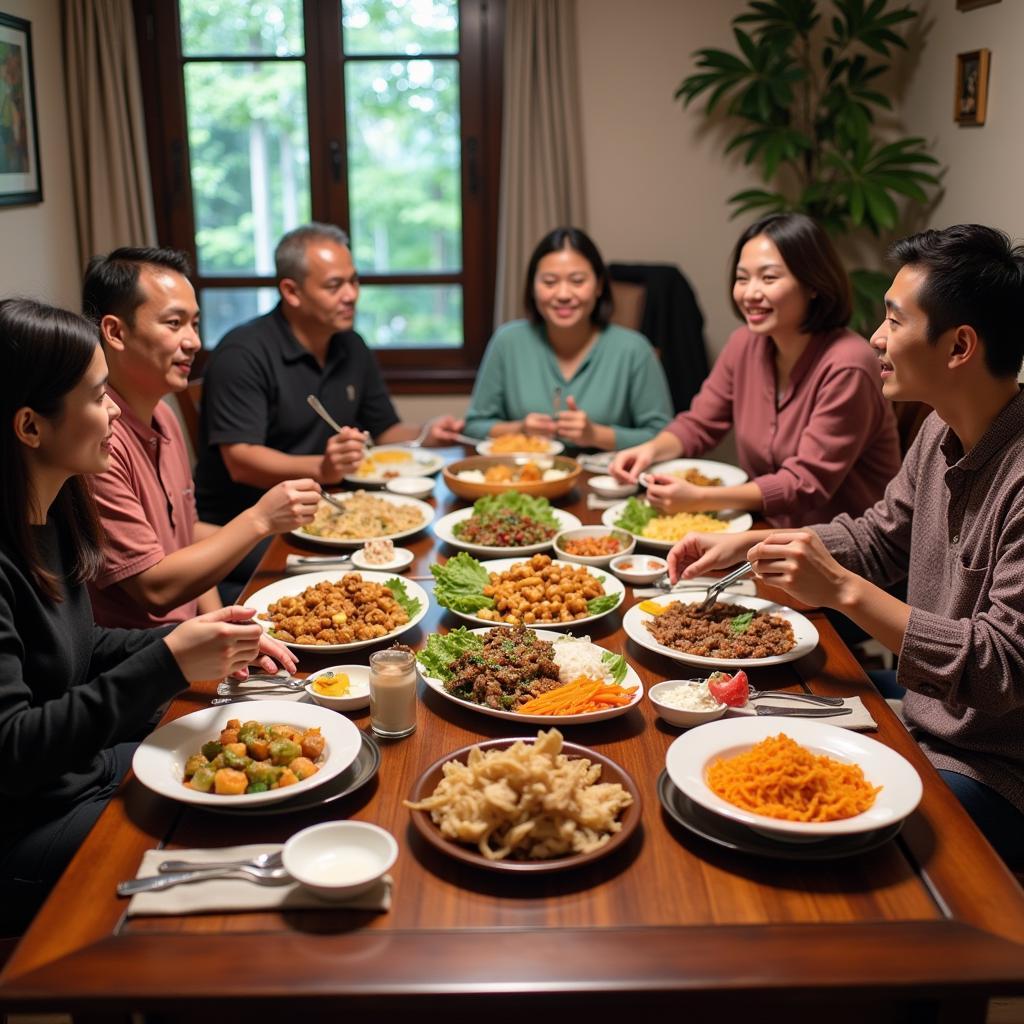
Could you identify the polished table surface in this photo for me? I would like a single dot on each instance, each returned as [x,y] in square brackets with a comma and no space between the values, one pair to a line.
[925,927]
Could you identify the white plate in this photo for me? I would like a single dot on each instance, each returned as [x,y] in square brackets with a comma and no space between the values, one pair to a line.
[159,761]
[804,633]
[444,529]
[262,599]
[632,679]
[731,476]
[553,448]
[419,462]
[610,583]
[691,755]
[427,511]
[736,522]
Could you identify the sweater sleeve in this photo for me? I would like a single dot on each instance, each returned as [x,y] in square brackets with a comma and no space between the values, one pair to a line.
[39,742]
[487,404]
[650,404]
[847,415]
[876,545]
[709,417]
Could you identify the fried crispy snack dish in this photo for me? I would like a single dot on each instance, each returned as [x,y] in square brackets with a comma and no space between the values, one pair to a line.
[529,801]
[341,612]
[509,444]
[537,591]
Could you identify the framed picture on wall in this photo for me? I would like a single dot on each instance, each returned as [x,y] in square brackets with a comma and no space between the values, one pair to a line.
[971,87]
[21,180]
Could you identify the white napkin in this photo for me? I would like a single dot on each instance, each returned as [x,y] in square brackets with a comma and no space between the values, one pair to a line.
[696,589]
[249,688]
[859,721]
[224,895]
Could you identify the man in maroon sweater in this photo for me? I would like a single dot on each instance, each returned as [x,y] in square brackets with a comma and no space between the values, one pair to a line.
[951,522]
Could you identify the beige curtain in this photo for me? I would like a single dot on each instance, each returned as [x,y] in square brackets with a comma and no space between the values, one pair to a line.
[110,169]
[542,150]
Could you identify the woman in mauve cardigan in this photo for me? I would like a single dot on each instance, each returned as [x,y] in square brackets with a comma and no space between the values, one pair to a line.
[73,696]
[802,392]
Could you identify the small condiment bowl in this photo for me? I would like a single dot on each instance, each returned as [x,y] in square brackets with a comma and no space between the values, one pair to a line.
[402,560]
[609,487]
[358,695]
[411,486]
[679,716]
[638,570]
[339,859]
[626,540]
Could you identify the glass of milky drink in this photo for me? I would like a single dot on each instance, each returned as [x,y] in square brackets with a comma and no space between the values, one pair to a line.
[392,694]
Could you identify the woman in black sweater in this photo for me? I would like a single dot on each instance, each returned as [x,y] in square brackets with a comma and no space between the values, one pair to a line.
[72,695]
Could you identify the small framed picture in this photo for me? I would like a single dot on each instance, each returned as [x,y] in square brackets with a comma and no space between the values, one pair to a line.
[971,87]
[20,177]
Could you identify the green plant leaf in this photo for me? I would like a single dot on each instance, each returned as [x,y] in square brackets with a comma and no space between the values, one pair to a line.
[868,287]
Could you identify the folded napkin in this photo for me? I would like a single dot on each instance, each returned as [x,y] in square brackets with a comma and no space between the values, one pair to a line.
[697,586]
[594,502]
[859,721]
[224,895]
[250,690]
[598,463]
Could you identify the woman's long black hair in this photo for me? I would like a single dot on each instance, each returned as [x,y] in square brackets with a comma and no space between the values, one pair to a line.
[45,352]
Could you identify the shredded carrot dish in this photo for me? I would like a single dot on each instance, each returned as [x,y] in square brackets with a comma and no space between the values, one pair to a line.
[582,695]
[780,779]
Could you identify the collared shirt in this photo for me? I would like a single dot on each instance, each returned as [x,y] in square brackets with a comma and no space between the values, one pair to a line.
[828,444]
[254,392]
[953,523]
[619,383]
[147,504]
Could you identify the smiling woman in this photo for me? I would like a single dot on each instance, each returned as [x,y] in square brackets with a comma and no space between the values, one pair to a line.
[801,390]
[608,389]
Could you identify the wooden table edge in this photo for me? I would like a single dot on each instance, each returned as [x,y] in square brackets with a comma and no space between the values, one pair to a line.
[812,960]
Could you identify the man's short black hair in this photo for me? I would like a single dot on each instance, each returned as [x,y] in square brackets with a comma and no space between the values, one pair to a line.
[974,276]
[111,285]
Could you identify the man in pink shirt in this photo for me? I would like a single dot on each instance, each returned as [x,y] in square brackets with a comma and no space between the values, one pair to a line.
[160,564]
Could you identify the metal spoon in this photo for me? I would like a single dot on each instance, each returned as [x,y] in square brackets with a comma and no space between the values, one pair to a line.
[239,689]
[151,883]
[771,709]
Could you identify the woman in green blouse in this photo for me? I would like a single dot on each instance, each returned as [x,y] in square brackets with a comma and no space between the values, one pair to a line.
[566,372]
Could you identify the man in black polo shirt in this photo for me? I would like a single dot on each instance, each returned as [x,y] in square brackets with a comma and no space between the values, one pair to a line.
[256,427]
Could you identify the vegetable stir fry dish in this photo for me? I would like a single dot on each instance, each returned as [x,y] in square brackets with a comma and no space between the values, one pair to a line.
[252,757]
[535,590]
[509,520]
[643,520]
[721,631]
[509,667]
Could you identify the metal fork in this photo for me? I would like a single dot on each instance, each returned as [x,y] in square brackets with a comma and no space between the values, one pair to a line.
[318,407]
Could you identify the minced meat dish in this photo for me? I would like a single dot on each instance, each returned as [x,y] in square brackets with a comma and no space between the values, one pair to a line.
[721,631]
[513,666]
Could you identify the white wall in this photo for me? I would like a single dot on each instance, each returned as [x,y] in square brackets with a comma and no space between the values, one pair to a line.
[982,183]
[37,243]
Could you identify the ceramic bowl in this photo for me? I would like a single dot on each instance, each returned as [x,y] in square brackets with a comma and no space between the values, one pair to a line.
[609,487]
[627,543]
[358,695]
[339,859]
[677,716]
[638,570]
[474,488]
[402,560]
[411,486]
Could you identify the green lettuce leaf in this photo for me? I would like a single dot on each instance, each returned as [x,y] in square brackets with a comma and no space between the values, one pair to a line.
[460,584]
[636,515]
[442,650]
[600,605]
[410,604]
[741,623]
[616,664]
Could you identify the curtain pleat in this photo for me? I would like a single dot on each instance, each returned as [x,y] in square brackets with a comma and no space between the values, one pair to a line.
[542,148]
[109,165]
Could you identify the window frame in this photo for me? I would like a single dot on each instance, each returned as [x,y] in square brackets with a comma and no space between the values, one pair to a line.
[481,31]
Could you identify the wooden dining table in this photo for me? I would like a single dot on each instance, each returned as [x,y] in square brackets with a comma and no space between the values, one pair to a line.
[927,926]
